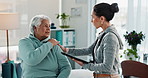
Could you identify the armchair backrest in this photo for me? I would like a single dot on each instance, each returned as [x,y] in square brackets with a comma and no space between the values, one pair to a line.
[134,68]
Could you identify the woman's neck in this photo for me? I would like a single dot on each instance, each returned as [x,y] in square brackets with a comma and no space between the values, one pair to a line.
[105,26]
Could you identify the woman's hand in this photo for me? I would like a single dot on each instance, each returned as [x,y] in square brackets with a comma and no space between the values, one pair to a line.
[79,62]
[63,48]
[54,41]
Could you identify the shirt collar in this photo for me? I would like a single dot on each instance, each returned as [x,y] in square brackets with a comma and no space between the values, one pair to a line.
[43,41]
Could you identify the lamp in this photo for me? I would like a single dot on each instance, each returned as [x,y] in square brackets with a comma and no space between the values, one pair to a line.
[8,21]
[5,7]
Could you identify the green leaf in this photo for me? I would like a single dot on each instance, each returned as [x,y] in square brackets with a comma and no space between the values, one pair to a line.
[121,56]
[58,16]
[130,58]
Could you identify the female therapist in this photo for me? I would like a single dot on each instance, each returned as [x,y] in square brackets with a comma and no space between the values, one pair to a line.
[106,58]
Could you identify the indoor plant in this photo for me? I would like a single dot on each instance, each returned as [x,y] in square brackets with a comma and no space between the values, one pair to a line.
[133,39]
[64,19]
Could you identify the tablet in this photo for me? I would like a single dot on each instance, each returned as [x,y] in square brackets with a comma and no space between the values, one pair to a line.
[86,62]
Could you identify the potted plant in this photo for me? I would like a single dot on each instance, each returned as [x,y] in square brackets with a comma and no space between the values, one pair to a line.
[131,54]
[64,19]
[133,39]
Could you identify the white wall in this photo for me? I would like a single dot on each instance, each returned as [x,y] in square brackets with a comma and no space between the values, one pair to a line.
[47,7]
[79,23]
[82,24]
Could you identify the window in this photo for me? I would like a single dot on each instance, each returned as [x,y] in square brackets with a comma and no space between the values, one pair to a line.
[137,20]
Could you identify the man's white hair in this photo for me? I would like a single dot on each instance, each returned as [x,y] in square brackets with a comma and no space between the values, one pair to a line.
[36,21]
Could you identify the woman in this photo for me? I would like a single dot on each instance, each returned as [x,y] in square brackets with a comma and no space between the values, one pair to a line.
[106,62]
[41,57]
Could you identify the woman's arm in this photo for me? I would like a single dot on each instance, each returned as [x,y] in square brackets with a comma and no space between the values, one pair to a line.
[79,51]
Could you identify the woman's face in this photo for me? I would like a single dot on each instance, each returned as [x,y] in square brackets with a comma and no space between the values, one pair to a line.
[96,21]
[42,31]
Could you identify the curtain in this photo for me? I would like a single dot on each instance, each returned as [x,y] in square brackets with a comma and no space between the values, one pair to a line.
[137,19]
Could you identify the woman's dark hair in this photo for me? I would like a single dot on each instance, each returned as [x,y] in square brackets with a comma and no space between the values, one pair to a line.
[106,10]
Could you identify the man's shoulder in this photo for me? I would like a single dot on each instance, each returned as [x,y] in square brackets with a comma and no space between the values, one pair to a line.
[25,39]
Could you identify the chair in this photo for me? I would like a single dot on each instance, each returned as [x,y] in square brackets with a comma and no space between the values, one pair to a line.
[11,70]
[134,68]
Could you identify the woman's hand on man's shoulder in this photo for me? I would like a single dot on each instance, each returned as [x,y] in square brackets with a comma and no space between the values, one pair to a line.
[53,41]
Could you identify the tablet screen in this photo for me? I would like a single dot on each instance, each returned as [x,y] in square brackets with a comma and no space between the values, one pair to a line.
[71,56]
